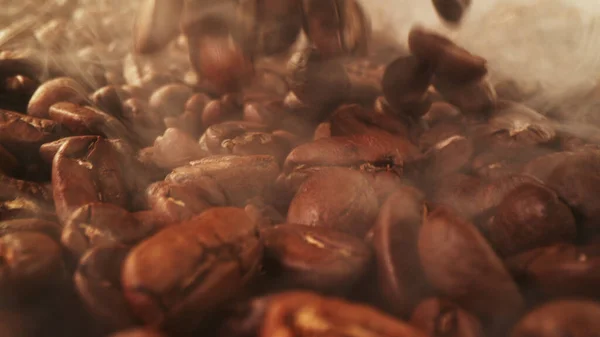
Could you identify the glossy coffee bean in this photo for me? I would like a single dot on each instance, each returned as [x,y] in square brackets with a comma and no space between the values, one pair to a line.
[403,283]
[405,83]
[61,89]
[461,265]
[341,199]
[203,263]
[316,258]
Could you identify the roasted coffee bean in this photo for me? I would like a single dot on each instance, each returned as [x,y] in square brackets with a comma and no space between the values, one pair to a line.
[110,99]
[405,84]
[452,63]
[86,170]
[560,318]
[558,271]
[315,258]
[269,113]
[98,223]
[474,197]
[98,284]
[191,119]
[204,262]
[157,23]
[82,120]
[543,166]
[505,159]
[530,216]
[352,119]
[24,207]
[216,57]
[229,107]
[214,136]
[50,228]
[451,10]
[177,202]
[576,181]
[438,317]
[307,313]
[395,235]
[461,265]
[61,89]
[269,82]
[239,178]
[263,214]
[14,188]
[170,100]
[447,157]
[31,263]
[381,148]
[139,332]
[315,79]
[337,27]
[475,98]
[22,135]
[256,143]
[268,27]
[176,148]
[340,199]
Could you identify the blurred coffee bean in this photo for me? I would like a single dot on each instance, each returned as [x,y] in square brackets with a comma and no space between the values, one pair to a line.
[14,188]
[340,199]
[442,112]
[25,207]
[204,262]
[110,100]
[228,107]
[81,120]
[352,119]
[170,100]
[262,213]
[401,278]
[323,130]
[100,223]
[380,149]
[336,27]
[51,35]
[269,82]
[61,89]
[315,79]
[268,112]
[177,202]
[543,166]
[98,284]
[176,148]
[268,27]
[31,263]
[507,158]
[317,258]
[86,170]
[451,10]
[16,92]
[405,83]
[560,318]
[297,312]
[451,63]
[438,317]
[22,135]
[52,229]
[157,22]
[216,57]
[461,265]
[191,119]
[529,216]
[475,98]
[240,178]
[447,157]
[8,162]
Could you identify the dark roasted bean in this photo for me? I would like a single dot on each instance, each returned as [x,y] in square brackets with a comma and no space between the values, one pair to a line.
[460,264]
[340,199]
[395,235]
[204,262]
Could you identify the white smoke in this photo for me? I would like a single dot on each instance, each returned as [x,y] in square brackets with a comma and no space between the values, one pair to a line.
[552,46]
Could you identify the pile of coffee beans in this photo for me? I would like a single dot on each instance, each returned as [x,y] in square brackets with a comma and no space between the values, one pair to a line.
[286,172]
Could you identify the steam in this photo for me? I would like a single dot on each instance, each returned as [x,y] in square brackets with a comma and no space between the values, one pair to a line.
[550,48]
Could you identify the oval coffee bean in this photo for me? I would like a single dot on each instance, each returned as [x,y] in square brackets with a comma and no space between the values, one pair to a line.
[62,89]
[315,257]
[203,263]
[561,318]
